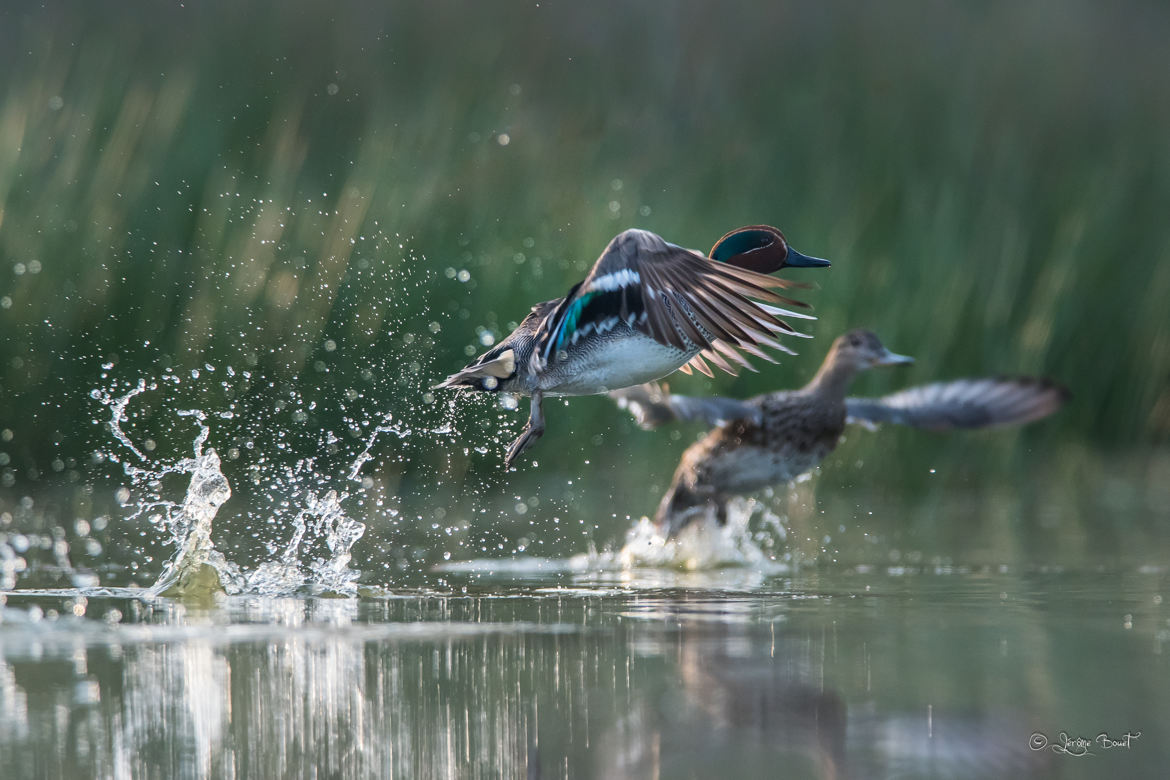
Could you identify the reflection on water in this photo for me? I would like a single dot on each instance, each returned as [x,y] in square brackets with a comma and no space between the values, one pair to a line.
[590,674]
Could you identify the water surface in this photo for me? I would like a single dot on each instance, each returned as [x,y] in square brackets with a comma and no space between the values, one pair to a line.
[540,670]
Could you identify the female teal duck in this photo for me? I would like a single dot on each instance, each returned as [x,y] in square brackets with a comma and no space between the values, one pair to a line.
[776,437]
[646,309]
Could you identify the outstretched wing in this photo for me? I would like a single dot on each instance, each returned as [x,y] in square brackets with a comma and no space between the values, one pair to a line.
[652,405]
[964,403]
[677,297]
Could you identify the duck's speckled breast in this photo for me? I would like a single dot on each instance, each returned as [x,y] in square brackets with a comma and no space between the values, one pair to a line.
[748,468]
[795,434]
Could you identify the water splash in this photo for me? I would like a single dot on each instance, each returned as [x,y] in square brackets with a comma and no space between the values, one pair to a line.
[702,544]
[197,570]
[321,517]
[118,414]
[648,559]
[364,456]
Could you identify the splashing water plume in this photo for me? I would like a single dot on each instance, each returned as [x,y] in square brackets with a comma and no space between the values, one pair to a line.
[702,544]
[199,571]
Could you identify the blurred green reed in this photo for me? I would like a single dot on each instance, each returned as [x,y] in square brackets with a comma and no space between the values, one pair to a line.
[289,188]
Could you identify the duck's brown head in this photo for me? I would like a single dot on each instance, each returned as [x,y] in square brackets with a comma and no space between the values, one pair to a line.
[761,248]
[861,349]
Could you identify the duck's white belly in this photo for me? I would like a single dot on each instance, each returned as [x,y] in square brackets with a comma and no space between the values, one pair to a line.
[613,364]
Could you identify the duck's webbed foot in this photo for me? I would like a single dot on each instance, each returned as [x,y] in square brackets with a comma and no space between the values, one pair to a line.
[526,439]
[532,431]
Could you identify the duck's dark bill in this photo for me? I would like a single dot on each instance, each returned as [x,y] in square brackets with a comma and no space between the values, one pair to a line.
[797,260]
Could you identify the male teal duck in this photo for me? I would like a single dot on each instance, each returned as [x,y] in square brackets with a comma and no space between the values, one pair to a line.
[777,437]
[646,308]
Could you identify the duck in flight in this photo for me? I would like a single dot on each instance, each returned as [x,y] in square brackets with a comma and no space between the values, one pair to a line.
[646,308]
[777,437]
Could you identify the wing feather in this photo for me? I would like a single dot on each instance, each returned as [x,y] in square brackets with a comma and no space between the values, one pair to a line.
[679,298]
[652,406]
[963,403]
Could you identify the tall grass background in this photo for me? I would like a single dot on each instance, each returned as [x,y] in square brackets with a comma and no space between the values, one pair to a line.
[348,201]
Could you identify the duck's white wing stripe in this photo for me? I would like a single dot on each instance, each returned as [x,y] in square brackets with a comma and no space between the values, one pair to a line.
[623,278]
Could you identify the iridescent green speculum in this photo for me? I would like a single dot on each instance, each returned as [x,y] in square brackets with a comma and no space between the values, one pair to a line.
[571,317]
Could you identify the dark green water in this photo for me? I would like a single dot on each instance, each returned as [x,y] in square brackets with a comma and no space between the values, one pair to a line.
[830,674]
